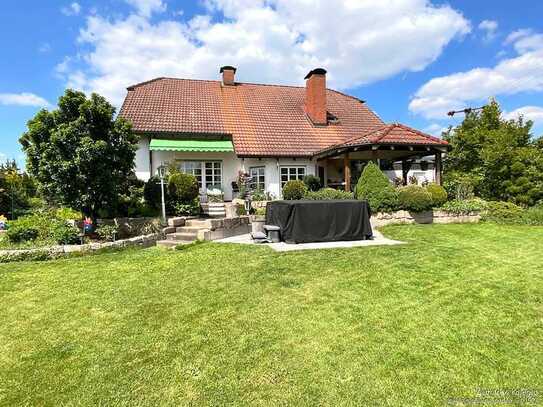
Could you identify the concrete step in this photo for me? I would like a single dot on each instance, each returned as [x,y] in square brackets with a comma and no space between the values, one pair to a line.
[170,244]
[188,229]
[200,223]
[190,237]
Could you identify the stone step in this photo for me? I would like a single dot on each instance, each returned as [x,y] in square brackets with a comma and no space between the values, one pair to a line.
[190,237]
[200,223]
[188,229]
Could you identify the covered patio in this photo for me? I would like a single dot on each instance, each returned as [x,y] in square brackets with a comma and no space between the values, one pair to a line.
[394,143]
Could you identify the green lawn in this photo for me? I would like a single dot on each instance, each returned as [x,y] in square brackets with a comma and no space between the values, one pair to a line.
[459,308]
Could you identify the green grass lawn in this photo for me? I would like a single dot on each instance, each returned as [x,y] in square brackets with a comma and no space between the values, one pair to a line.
[459,308]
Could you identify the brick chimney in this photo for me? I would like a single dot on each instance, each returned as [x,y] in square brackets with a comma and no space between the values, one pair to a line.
[228,75]
[315,96]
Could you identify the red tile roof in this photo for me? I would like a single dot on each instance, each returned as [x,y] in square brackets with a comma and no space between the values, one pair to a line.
[390,134]
[263,120]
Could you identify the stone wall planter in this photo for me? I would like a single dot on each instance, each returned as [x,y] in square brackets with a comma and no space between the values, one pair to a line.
[426,217]
[54,252]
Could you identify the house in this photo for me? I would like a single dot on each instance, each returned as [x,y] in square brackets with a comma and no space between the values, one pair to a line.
[215,129]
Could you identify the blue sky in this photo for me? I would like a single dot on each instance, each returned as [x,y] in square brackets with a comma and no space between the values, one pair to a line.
[411,60]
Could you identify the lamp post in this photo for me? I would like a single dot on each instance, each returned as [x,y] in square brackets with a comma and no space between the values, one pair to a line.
[162,173]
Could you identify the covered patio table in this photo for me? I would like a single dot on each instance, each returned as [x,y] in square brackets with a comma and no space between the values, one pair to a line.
[320,221]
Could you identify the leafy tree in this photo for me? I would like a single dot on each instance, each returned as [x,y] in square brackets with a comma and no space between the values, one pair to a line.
[16,190]
[80,154]
[499,157]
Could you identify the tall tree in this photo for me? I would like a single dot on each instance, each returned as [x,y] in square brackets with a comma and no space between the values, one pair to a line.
[499,156]
[80,154]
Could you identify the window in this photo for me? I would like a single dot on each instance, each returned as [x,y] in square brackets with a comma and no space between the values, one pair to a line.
[213,175]
[291,173]
[193,168]
[258,179]
[207,173]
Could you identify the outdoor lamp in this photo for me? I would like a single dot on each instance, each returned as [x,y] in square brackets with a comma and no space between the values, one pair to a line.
[162,173]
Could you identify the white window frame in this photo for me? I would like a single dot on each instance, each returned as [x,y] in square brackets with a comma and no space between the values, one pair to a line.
[258,178]
[199,171]
[293,173]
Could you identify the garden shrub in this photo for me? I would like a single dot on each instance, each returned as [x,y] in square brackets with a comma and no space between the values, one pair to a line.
[438,193]
[259,195]
[240,210]
[464,207]
[68,214]
[374,186]
[64,233]
[183,188]
[22,230]
[312,182]
[294,190]
[107,233]
[152,193]
[533,216]
[327,194]
[187,208]
[414,198]
[46,226]
[502,212]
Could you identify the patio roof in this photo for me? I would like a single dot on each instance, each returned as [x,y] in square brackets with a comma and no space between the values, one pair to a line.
[391,136]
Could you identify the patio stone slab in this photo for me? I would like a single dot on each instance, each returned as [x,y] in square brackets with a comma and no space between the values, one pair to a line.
[379,240]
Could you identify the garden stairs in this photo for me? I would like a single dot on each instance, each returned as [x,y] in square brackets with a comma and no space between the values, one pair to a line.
[183,231]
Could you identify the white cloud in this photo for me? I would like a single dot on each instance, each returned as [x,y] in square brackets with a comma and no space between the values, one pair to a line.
[147,7]
[435,129]
[71,10]
[533,113]
[22,99]
[273,41]
[490,28]
[522,73]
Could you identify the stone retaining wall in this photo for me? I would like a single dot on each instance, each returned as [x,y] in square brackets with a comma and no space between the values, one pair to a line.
[53,252]
[435,216]
[129,227]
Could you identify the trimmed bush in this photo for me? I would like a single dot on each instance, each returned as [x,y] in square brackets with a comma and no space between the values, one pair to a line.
[438,193]
[374,186]
[312,182]
[152,193]
[502,212]
[414,198]
[22,230]
[327,194]
[294,190]
[182,187]
[464,207]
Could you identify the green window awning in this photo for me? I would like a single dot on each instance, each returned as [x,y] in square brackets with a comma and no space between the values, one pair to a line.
[191,145]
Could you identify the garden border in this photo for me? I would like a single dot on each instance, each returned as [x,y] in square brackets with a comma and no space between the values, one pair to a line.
[55,252]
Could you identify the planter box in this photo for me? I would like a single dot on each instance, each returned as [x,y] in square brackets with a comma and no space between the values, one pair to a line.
[257,223]
[435,216]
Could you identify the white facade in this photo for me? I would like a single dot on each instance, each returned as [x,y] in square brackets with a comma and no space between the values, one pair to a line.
[148,161]
[271,171]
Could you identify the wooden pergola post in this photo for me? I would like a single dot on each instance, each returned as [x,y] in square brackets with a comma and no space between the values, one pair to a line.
[438,169]
[347,172]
